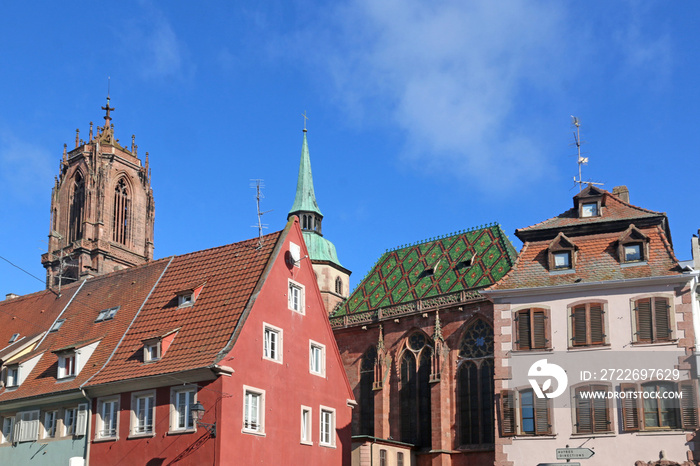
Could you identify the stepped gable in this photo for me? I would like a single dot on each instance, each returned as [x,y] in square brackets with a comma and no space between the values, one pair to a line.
[467,260]
[126,289]
[228,276]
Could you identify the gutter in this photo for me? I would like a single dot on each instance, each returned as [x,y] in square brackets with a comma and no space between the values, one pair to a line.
[695,306]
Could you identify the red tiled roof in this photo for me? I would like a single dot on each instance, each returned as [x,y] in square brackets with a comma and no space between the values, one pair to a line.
[231,273]
[596,260]
[614,209]
[127,288]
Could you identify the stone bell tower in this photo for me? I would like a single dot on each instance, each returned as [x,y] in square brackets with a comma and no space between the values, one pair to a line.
[102,209]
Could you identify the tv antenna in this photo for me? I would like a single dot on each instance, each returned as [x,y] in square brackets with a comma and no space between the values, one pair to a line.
[258,195]
[580,160]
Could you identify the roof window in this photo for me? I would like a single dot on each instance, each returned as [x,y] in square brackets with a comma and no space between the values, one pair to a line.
[14,337]
[107,314]
[56,325]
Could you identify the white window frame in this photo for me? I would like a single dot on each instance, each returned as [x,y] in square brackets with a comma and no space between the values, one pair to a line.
[12,376]
[268,346]
[176,393]
[68,428]
[152,351]
[50,431]
[306,425]
[316,348]
[137,429]
[300,306]
[247,410]
[28,425]
[6,434]
[590,209]
[66,370]
[327,438]
[185,300]
[114,420]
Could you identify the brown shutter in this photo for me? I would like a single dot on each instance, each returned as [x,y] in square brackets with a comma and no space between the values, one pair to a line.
[539,326]
[542,424]
[662,319]
[689,404]
[601,414]
[596,316]
[578,326]
[644,319]
[508,427]
[524,340]
[630,410]
[584,423]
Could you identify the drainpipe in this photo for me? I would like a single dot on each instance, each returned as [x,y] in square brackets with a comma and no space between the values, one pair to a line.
[695,306]
[87,427]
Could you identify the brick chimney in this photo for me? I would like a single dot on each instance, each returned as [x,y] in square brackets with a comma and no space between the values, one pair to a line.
[622,192]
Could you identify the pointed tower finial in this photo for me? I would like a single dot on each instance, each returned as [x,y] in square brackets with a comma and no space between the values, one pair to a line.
[437,336]
[77,137]
[380,342]
[305,205]
[90,132]
[305,119]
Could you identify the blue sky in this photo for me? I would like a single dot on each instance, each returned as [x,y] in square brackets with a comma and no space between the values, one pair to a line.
[424,117]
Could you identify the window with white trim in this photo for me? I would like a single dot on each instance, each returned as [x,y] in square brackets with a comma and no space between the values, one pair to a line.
[66,365]
[272,343]
[296,297]
[306,425]
[327,434]
[107,418]
[27,427]
[50,423]
[151,351]
[69,416]
[253,410]
[8,424]
[143,413]
[12,376]
[182,400]
[317,358]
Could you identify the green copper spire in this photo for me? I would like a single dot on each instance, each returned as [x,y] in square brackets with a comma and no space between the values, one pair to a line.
[305,199]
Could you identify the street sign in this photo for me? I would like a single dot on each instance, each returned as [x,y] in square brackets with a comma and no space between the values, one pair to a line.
[574,453]
[559,464]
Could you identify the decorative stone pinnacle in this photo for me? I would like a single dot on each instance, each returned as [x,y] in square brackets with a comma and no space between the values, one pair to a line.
[380,343]
[438,328]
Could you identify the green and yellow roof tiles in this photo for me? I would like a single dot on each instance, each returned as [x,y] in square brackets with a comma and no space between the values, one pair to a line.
[464,260]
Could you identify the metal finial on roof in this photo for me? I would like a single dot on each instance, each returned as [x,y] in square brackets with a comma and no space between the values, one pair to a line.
[305,119]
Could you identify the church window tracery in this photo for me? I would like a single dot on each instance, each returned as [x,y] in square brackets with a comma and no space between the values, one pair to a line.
[414,391]
[122,211]
[77,208]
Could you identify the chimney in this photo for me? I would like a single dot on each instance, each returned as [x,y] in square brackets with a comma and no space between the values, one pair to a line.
[622,192]
[10,296]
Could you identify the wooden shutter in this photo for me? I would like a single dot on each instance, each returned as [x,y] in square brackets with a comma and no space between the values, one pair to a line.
[689,404]
[524,326]
[644,319]
[81,419]
[662,321]
[584,422]
[630,409]
[542,423]
[597,325]
[539,329]
[29,426]
[508,427]
[578,326]
[601,415]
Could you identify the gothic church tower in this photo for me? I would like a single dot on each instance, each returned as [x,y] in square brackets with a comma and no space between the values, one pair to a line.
[102,209]
[333,279]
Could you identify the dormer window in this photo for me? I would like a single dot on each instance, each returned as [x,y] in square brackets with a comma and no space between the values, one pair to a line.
[12,376]
[66,365]
[185,300]
[154,348]
[589,209]
[189,295]
[561,254]
[151,351]
[632,246]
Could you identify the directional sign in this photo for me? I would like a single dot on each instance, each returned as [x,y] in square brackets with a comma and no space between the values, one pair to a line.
[559,464]
[574,453]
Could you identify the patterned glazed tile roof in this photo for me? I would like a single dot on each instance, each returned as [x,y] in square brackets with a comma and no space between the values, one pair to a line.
[465,260]
[229,273]
[127,289]
[613,210]
[596,260]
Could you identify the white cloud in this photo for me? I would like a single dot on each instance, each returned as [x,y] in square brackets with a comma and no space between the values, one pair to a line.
[451,75]
[25,170]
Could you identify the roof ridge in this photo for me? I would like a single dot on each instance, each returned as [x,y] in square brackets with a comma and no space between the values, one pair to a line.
[447,235]
[629,204]
[223,245]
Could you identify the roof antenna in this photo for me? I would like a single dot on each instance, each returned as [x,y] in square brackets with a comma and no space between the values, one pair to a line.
[258,195]
[581,160]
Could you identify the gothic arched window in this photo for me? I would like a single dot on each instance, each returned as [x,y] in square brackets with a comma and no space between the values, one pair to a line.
[475,385]
[366,402]
[414,391]
[77,207]
[339,285]
[122,210]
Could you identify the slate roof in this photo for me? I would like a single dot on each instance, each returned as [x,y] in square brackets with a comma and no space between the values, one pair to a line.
[400,276]
[229,273]
[126,288]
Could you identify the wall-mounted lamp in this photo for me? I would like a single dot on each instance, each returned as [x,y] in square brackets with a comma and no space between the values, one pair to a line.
[197,412]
